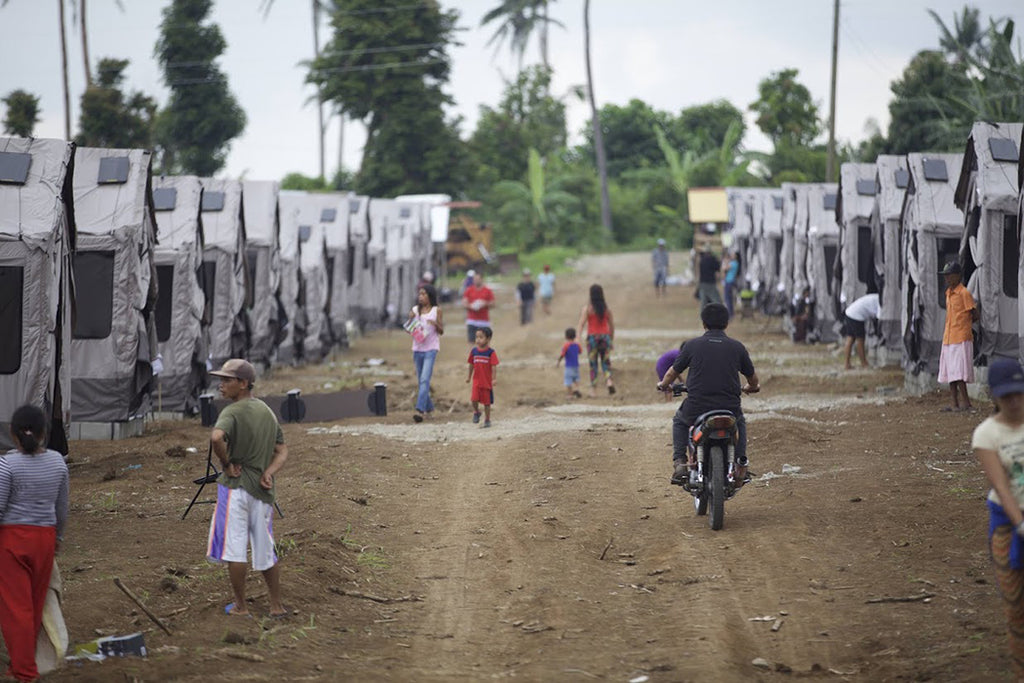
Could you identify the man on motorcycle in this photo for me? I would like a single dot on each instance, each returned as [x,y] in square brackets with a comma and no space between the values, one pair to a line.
[715,363]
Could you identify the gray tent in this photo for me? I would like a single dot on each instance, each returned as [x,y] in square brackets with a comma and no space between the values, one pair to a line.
[313,298]
[225,274]
[767,222]
[289,349]
[181,329]
[822,254]
[931,228]
[741,225]
[787,253]
[800,226]
[855,204]
[1020,227]
[987,193]
[891,178]
[113,342]
[365,300]
[37,234]
[334,215]
[263,256]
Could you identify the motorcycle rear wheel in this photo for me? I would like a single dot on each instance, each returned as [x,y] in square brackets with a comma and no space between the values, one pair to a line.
[716,518]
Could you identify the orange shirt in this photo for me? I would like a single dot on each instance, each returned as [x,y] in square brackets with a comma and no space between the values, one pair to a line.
[597,325]
[959,304]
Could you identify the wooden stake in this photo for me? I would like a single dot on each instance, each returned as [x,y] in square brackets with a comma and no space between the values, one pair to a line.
[156,620]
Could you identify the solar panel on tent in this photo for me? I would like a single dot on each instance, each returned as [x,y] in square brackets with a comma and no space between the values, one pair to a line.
[328,215]
[935,169]
[304,232]
[777,201]
[405,212]
[829,201]
[902,178]
[1003,149]
[213,201]
[867,188]
[14,167]
[353,206]
[165,198]
[113,170]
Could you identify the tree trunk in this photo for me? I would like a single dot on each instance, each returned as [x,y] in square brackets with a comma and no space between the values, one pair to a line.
[602,164]
[85,43]
[64,70]
[319,95]
[543,35]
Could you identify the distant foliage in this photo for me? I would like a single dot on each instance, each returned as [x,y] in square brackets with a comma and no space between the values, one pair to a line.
[110,118]
[22,113]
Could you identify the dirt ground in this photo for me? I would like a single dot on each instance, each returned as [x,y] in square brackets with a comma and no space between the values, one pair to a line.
[551,546]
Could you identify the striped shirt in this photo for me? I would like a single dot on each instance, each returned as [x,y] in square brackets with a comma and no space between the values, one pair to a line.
[34,489]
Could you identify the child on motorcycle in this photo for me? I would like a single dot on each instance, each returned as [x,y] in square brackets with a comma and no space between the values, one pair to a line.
[713,363]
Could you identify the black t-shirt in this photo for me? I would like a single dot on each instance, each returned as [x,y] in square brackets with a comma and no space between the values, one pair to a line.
[708,266]
[526,290]
[715,363]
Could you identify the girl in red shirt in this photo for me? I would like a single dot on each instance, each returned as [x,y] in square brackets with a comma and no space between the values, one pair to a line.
[596,317]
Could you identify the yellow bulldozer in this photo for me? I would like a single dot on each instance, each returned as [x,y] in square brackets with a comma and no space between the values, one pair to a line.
[469,243]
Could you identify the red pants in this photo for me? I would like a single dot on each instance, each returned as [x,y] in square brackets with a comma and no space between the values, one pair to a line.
[26,561]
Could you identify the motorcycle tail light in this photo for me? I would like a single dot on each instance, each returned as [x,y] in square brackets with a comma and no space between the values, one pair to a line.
[720,434]
[721,422]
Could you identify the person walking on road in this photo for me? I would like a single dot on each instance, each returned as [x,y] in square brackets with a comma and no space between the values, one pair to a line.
[597,319]
[708,267]
[956,362]
[546,286]
[477,300]
[855,319]
[526,293]
[249,444]
[998,442]
[731,272]
[659,264]
[426,325]
[33,514]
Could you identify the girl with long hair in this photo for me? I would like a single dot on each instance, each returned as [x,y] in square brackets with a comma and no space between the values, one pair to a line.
[426,325]
[597,319]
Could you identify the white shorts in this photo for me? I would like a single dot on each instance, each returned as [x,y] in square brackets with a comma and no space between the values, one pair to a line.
[238,521]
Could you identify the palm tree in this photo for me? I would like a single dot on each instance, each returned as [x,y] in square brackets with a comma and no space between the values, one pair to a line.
[80,18]
[519,19]
[595,121]
[967,37]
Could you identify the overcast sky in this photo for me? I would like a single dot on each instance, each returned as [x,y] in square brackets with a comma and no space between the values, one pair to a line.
[669,53]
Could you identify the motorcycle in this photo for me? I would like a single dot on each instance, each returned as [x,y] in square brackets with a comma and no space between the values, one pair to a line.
[711,454]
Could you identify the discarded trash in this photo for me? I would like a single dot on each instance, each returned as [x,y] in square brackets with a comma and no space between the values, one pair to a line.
[111,646]
[131,467]
[790,469]
[375,361]
[191,449]
[640,679]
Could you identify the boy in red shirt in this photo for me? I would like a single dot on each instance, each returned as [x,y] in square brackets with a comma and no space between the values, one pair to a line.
[482,362]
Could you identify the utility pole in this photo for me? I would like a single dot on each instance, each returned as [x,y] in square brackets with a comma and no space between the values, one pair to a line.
[830,164]
[602,164]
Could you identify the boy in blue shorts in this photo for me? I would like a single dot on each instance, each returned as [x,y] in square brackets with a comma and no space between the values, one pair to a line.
[571,351]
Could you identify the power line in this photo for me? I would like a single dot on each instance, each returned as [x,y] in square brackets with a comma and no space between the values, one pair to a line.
[377,67]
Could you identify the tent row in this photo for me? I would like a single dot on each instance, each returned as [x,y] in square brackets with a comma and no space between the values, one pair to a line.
[888,227]
[119,289]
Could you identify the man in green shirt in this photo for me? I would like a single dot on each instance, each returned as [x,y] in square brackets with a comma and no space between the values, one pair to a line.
[248,441]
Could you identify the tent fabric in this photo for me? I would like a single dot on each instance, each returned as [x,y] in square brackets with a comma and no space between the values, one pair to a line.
[111,376]
[854,209]
[383,215]
[37,236]
[293,332]
[365,300]
[336,241]
[178,258]
[787,222]
[263,256]
[304,233]
[931,227]
[987,193]
[1020,257]
[224,261]
[885,235]
[822,253]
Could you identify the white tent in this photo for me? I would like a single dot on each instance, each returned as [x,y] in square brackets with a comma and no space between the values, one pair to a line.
[891,179]
[822,254]
[931,228]
[439,210]
[334,215]
[113,342]
[37,233]
[1020,227]
[315,342]
[225,274]
[767,222]
[987,193]
[365,299]
[289,349]
[855,205]
[263,256]
[181,328]
[787,251]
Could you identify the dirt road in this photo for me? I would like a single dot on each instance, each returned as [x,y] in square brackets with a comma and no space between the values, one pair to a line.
[551,546]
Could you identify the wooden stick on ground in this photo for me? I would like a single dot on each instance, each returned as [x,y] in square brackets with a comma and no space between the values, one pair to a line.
[375,598]
[155,618]
[605,551]
[909,598]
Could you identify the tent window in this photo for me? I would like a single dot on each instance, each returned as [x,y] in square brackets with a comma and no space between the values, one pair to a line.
[252,257]
[1011,258]
[865,256]
[831,251]
[94,294]
[947,250]
[777,201]
[113,171]
[213,201]
[902,178]
[208,282]
[935,169]
[778,255]
[328,215]
[404,212]
[350,263]
[867,188]
[164,302]
[304,232]
[14,168]
[165,198]
[828,202]
[353,206]
[1003,149]
[11,281]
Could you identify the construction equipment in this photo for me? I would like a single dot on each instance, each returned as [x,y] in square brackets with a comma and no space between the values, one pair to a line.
[469,243]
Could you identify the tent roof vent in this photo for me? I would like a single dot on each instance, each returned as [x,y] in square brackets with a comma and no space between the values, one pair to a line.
[829,201]
[868,188]
[165,198]
[405,212]
[213,201]
[902,178]
[304,232]
[777,201]
[14,167]
[328,215]
[113,171]
[1003,149]
[935,169]
[353,206]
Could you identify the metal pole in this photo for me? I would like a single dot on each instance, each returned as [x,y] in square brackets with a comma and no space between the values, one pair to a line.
[830,165]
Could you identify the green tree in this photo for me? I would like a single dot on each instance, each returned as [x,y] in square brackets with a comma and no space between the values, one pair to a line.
[518,19]
[22,113]
[705,127]
[202,116]
[967,37]
[785,110]
[629,138]
[925,111]
[108,118]
[527,117]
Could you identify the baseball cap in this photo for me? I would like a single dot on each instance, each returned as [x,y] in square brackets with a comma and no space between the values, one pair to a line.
[1005,376]
[236,368]
[951,268]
